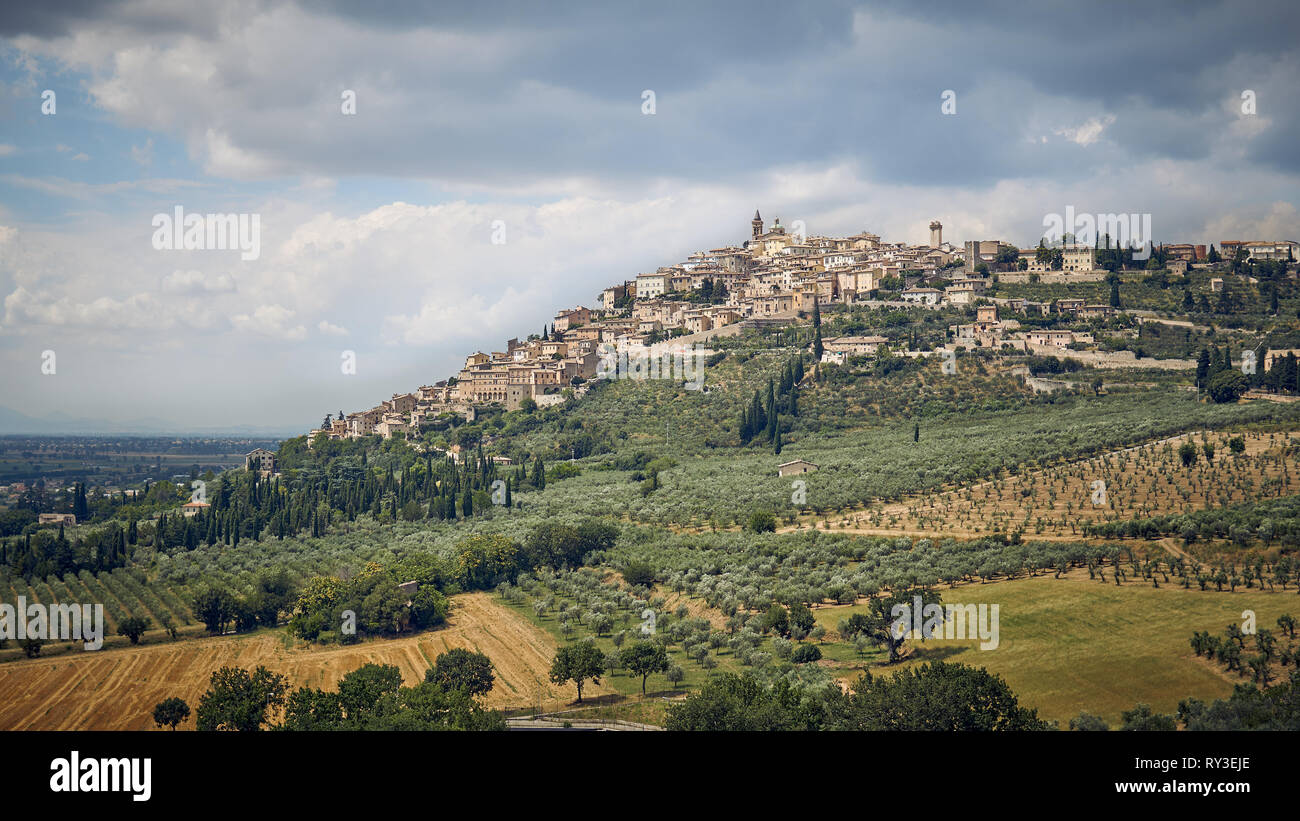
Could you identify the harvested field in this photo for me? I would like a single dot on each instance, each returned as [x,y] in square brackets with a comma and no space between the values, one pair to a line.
[117,689]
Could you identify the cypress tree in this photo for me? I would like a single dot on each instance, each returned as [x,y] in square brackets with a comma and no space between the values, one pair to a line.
[771,412]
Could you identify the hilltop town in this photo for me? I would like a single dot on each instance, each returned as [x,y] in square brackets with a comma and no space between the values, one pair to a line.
[779,276]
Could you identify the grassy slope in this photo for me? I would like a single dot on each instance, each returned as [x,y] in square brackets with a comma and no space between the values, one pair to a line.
[1075,644]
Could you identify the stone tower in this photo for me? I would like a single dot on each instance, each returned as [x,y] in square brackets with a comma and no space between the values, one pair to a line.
[936,234]
[757,224]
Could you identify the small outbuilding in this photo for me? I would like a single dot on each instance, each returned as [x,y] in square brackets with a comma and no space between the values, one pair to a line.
[795,467]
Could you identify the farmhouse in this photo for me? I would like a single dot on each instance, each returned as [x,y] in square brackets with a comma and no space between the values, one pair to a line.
[191,508]
[1056,339]
[1273,355]
[56,519]
[260,459]
[922,296]
[795,467]
[1094,311]
[855,345]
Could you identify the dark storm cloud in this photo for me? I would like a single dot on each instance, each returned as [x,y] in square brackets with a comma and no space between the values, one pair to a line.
[743,86]
[50,19]
[57,18]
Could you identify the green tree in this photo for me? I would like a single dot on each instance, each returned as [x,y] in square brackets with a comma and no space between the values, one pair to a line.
[462,669]
[1228,386]
[936,697]
[1086,722]
[761,521]
[236,700]
[801,617]
[639,573]
[577,663]
[364,690]
[1142,718]
[215,607]
[731,702]
[777,620]
[170,712]
[805,654]
[674,674]
[133,627]
[644,658]
[881,625]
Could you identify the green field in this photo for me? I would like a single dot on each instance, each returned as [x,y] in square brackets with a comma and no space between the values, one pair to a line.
[1074,644]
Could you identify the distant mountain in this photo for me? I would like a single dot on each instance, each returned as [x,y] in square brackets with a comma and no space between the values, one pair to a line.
[12,422]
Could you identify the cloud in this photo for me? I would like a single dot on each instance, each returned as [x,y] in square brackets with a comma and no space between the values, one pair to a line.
[136,312]
[196,282]
[274,321]
[559,97]
[377,227]
[75,189]
[1277,220]
[1089,132]
[143,154]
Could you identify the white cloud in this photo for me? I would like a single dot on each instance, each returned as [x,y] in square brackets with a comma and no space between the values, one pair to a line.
[136,312]
[143,154]
[331,330]
[58,186]
[274,321]
[7,149]
[1275,221]
[1089,132]
[196,282]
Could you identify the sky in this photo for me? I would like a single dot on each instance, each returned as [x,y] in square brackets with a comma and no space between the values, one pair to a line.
[503,161]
